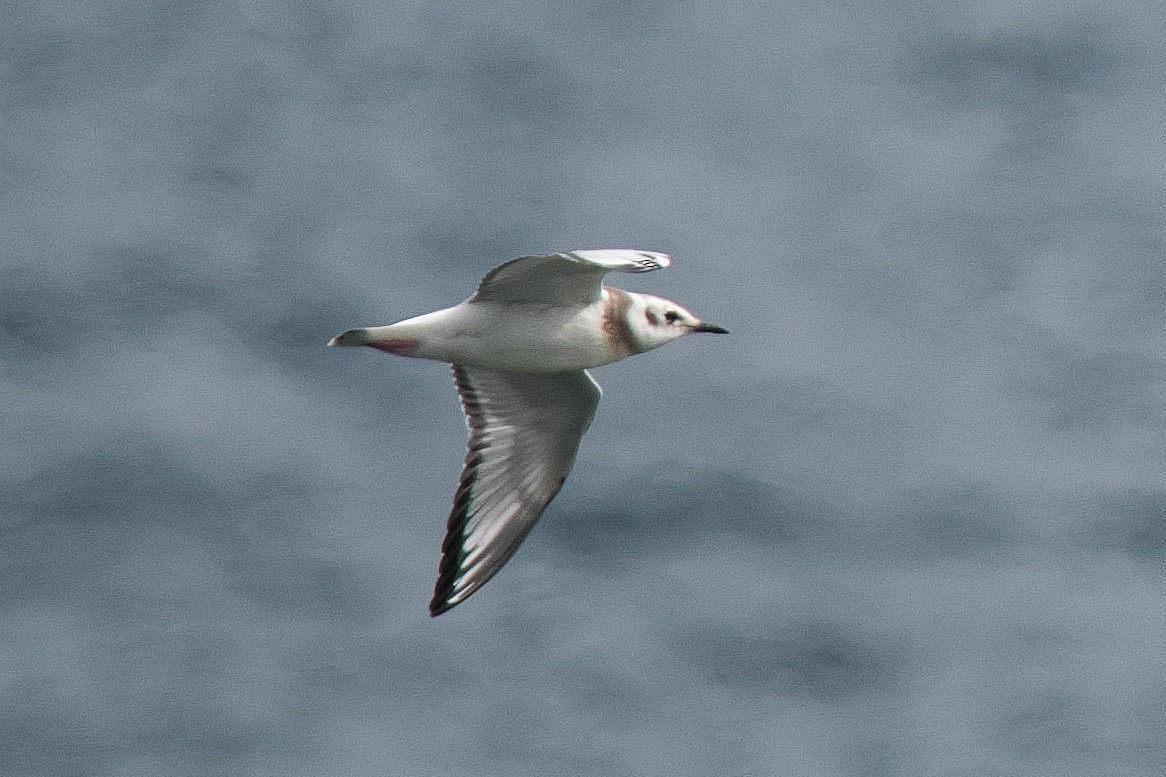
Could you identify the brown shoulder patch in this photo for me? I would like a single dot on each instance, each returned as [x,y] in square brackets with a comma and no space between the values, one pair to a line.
[615,323]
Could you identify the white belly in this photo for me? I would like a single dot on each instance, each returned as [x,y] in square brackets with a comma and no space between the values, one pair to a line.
[514,338]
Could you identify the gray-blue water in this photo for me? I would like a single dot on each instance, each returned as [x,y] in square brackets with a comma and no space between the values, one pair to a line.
[908,519]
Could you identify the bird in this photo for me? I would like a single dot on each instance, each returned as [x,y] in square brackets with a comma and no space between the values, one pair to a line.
[521,349]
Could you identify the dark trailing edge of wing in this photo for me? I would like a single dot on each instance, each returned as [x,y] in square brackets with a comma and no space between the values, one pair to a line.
[452,552]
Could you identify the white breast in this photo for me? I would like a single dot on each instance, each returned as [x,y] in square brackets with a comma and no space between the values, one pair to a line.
[522,338]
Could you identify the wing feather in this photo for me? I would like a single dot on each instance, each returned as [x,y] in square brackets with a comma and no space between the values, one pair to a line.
[524,432]
[562,279]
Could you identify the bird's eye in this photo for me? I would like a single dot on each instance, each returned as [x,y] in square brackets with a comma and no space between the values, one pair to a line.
[671,316]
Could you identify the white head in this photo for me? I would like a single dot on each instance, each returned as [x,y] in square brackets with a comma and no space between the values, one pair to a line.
[655,321]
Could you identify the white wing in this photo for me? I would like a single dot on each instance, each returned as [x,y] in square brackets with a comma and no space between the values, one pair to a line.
[524,432]
[562,279]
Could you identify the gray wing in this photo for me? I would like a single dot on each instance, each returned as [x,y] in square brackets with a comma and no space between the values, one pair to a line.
[562,279]
[524,431]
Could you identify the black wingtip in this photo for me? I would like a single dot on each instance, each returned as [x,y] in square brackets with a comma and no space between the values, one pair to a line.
[443,591]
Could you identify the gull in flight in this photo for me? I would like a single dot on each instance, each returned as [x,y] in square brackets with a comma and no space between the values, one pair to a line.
[520,350]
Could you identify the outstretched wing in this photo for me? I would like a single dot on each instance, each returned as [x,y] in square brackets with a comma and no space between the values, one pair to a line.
[562,279]
[524,431]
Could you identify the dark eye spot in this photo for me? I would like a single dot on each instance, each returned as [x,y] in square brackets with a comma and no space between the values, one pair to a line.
[653,319]
[671,316]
